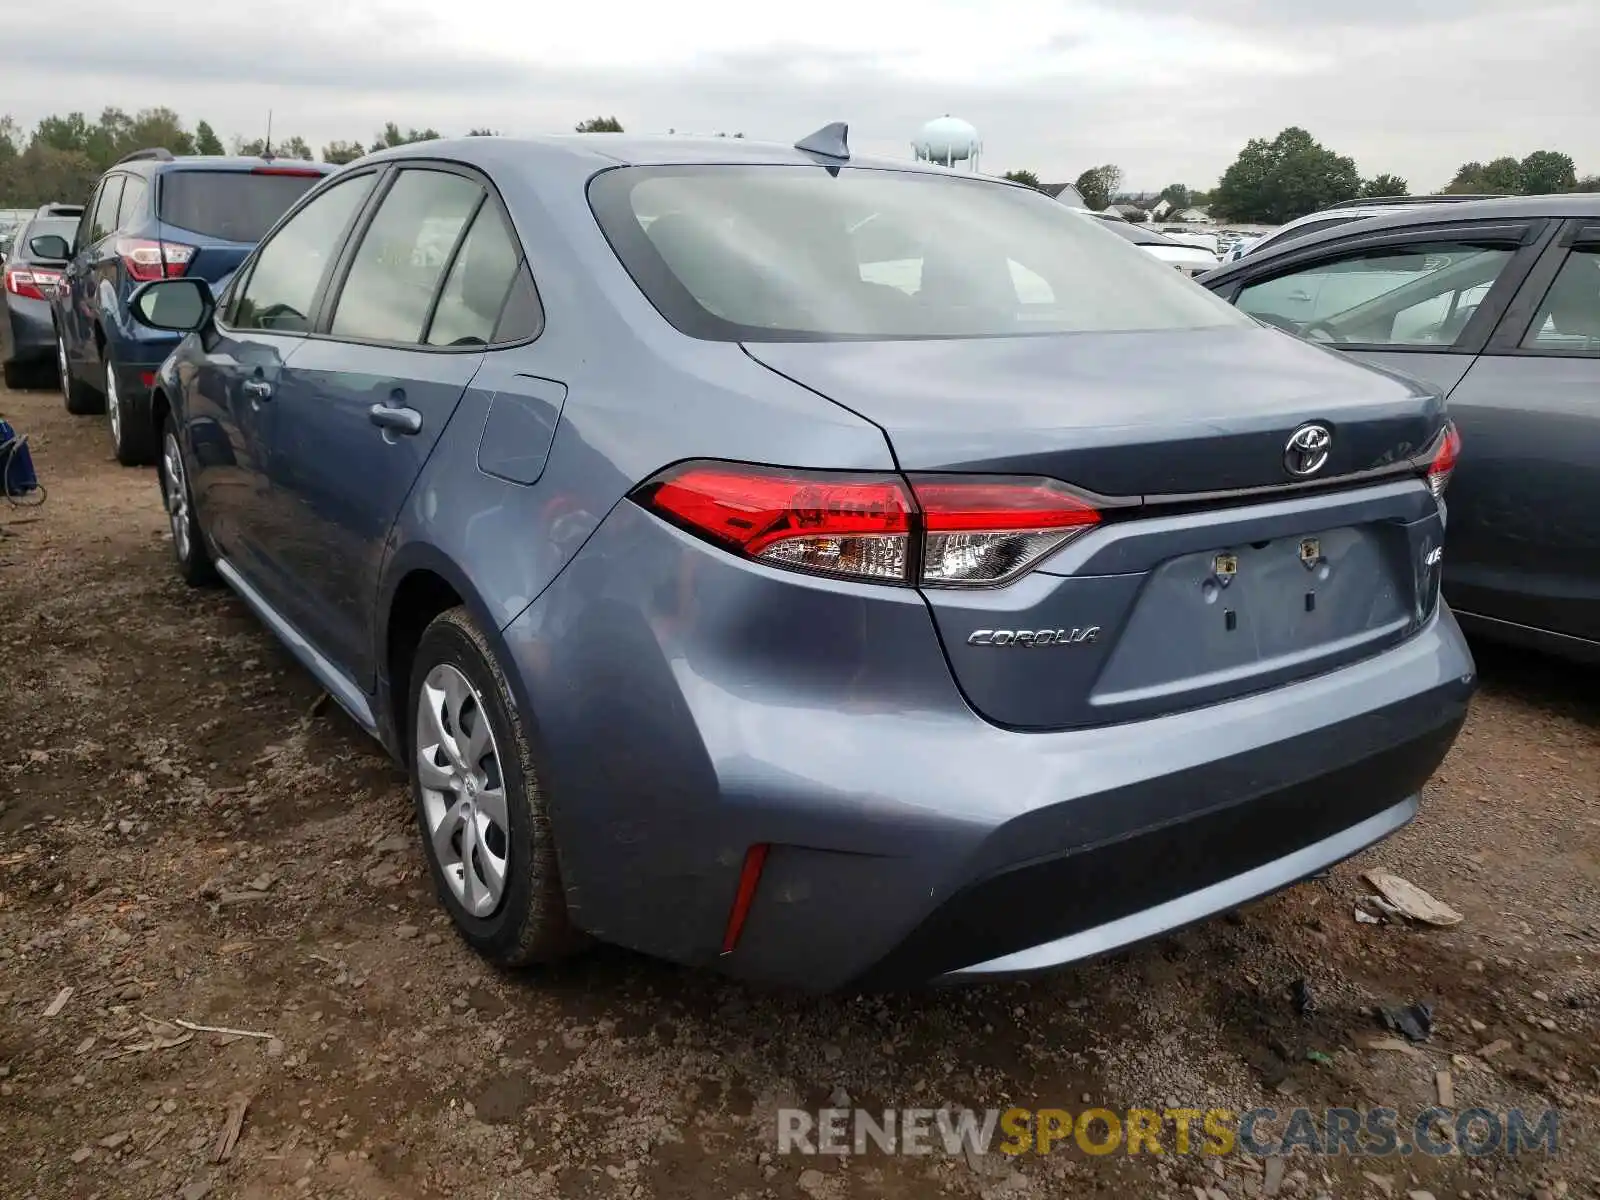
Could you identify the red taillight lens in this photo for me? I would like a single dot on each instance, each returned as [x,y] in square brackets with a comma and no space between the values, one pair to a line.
[974,532]
[31,283]
[985,532]
[1443,460]
[146,260]
[808,521]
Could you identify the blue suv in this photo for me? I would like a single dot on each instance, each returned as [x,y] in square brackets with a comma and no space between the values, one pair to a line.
[154,216]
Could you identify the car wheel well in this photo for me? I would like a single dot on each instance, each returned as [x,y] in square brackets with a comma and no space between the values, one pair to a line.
[421,596]
[160,406]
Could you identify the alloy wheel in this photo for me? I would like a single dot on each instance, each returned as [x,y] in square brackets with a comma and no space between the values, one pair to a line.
[113,407]
[177,489]
[463,791]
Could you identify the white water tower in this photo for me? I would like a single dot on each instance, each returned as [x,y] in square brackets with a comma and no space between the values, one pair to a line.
[948,140]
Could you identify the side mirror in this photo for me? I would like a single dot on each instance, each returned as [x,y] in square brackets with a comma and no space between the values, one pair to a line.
[50,246]
[173,305]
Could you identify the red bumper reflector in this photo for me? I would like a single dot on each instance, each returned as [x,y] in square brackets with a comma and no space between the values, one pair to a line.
[755,859]
[148,378]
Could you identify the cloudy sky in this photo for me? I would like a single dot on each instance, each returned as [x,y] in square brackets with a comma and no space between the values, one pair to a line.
[1168,90]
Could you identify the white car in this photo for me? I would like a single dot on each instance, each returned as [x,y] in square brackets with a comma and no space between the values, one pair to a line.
[1191,260]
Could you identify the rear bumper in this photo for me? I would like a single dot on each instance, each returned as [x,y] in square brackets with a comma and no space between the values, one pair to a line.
[29,334]
[910,838]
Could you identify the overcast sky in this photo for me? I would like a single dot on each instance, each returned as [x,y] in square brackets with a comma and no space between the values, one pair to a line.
[1415,87]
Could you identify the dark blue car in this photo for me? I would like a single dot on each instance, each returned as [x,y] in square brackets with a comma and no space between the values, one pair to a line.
[840,572]
[154,216]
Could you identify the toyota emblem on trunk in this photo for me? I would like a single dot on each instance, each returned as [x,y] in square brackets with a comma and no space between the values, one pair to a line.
[1307,451]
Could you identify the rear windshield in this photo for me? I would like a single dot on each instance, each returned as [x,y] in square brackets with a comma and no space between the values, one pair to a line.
[66,227]
[801,253]
[235,206]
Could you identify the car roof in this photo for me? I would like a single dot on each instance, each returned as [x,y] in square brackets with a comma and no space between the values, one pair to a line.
[1570,205]
[216,162]
[600,150]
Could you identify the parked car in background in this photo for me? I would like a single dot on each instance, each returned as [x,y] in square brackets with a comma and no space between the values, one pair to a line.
[32,271]
[154,216]
[956,627]
[1191,260]
[1496,304]
[1343,213]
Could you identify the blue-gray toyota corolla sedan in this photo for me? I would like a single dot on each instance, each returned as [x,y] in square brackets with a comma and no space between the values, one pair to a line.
[841,572]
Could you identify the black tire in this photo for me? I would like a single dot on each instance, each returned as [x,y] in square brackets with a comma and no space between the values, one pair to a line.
[188,546]
[80,399]
[133,437]
[530,924]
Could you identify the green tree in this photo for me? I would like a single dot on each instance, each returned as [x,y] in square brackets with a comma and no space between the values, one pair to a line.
[1288,177]
[1177,195]
[295,147]
[1547,171]
[70,132]
[485,132]
[342,152]
[1589,183]
[1024,177]
[600,125]
[1502,176]
[42,173]
[156,127]
[1385,185]
[206,140]
[1098,184]
[391,136]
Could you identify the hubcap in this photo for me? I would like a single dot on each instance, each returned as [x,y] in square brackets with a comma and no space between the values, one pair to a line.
[463,791]
[113,407]
[177,495]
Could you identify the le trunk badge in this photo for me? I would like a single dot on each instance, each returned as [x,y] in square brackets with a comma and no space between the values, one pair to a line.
[1310,552]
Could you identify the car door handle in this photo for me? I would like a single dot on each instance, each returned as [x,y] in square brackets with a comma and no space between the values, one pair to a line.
[398,420]
[258,389]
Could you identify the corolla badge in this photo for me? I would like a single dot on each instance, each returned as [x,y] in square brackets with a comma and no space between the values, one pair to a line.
[1308,450]
[1033,637]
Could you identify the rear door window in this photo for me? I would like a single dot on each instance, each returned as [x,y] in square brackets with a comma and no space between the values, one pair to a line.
[1568,319]
[475,290]
[403,254]
[131,209]
[232,206]
[289,269]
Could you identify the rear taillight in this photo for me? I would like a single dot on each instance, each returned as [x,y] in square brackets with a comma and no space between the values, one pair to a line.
[1440,460]
[146,260]
[31,283]
[811,522]
[971,531]
[980,532]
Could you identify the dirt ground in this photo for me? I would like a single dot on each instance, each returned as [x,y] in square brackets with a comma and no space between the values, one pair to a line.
[185,835]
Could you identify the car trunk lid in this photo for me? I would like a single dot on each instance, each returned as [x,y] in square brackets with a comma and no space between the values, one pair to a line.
[1206,579]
